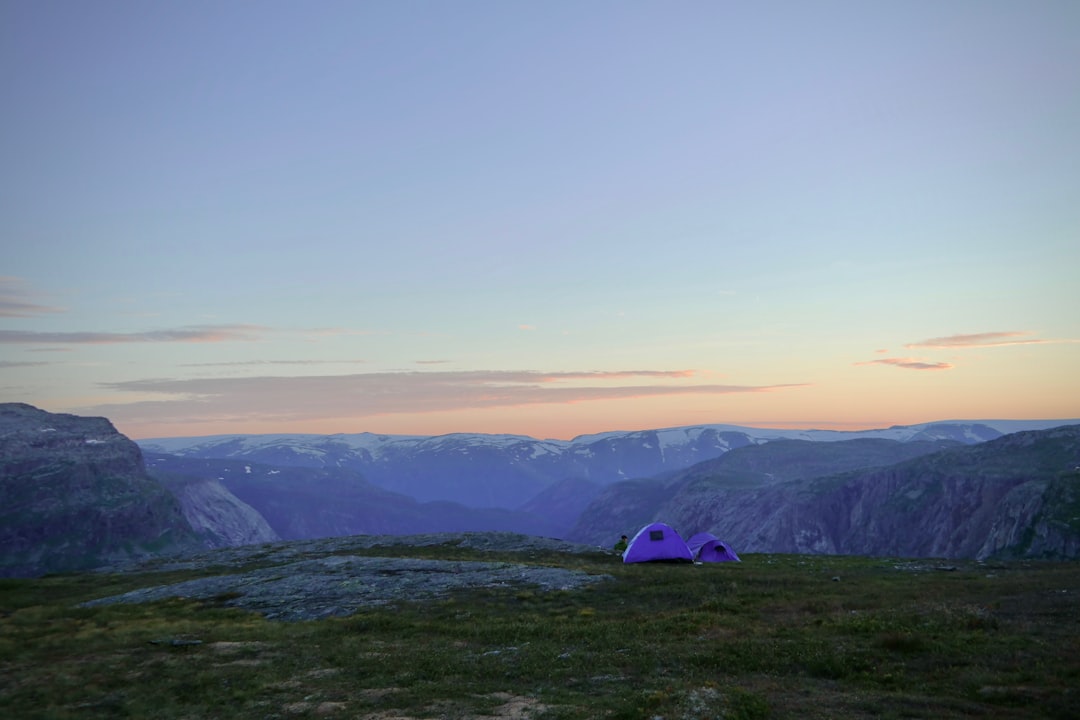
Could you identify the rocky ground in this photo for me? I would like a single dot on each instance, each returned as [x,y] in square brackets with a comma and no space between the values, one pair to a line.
[312,579]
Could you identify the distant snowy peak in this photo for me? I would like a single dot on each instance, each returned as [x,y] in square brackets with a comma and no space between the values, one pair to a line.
[506,471]
[662,440]
[966,431]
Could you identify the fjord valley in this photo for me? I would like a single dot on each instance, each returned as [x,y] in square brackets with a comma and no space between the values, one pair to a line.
[78,493]
[924,572]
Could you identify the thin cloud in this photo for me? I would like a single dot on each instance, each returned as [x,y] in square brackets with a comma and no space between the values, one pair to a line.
[616,374]
[983,340]
[196,334]
[909,364]
[16,302]
[248,363]
[23,363]
[336,331]
[373,394]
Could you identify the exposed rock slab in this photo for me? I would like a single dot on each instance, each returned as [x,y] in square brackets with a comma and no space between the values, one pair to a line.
[296,584]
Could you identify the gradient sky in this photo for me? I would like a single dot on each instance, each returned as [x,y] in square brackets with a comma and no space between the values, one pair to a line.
[545,218]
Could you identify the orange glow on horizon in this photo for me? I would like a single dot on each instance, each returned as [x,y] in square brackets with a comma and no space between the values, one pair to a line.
[557,422]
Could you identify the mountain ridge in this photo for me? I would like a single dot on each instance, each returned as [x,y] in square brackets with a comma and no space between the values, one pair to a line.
[373,440]
[831,492]
[507,471]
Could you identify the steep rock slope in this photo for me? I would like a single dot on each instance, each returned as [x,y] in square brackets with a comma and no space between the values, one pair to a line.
[1018,496]
[220,518]
[688,499]
[74,494]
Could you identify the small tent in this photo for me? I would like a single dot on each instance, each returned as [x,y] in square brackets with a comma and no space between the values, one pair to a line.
[657,542]
[704,547]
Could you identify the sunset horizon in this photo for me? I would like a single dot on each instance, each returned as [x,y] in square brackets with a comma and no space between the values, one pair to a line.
[550,220]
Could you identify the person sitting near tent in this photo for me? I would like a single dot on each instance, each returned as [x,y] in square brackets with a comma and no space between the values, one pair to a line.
[620,547]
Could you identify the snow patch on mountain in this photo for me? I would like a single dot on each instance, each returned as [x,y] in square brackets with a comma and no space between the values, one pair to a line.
[971,431]
[505,470]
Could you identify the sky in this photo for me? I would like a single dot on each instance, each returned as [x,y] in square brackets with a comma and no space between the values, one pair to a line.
[539,218]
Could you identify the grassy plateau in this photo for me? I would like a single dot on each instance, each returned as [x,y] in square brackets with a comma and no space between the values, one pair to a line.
[776,636]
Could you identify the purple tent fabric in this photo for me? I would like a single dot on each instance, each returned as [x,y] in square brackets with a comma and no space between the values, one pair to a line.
[705,547]
[657,542]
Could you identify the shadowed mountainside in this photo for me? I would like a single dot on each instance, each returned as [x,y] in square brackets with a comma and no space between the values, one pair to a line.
[74,494]
[303,502]
[624,507]
[1017,496]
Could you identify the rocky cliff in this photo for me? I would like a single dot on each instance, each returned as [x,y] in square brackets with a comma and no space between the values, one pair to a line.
[220,518]
[1017,496]
[74,494]
[693,499]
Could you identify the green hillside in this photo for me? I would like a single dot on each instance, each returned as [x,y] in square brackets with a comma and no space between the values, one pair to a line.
[776,636]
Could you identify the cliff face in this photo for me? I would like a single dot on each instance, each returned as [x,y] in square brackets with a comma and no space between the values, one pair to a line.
[1018,496]
[733,487]
[220,518]
[74,494]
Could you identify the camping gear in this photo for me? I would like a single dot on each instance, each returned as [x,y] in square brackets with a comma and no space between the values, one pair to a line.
[705,547]
[657,542]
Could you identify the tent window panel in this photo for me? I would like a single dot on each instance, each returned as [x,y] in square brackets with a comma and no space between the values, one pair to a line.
[656,535]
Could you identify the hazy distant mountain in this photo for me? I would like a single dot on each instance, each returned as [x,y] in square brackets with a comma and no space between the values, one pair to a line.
[302,502]
[562,503]
[507,471]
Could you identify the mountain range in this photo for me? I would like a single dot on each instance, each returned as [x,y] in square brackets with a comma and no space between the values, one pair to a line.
[506,471]
[952,489]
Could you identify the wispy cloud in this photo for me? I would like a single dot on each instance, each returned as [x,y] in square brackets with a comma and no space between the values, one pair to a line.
[960,342]
[17,302]
[366,395]
[986,339]
[615,375]
[194,334]
[336,331]
[909,363]
[23,363]
[250,363]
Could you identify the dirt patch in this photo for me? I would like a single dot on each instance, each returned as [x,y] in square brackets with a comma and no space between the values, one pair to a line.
[517,707]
